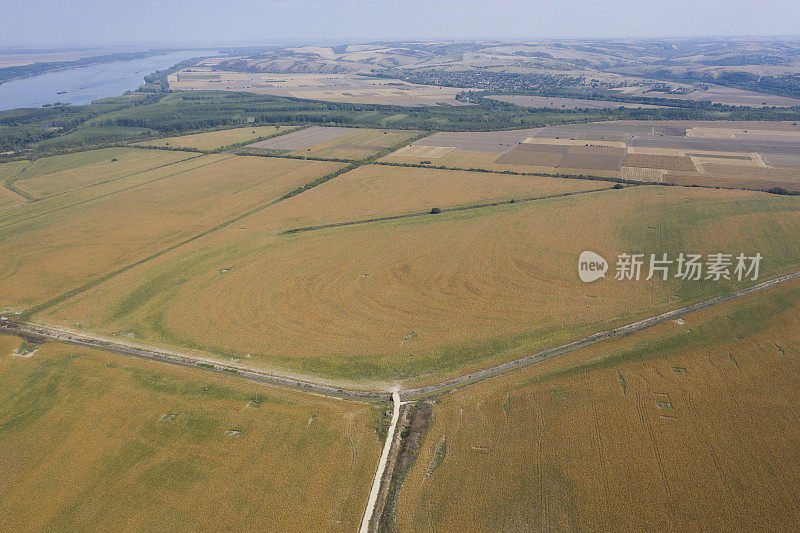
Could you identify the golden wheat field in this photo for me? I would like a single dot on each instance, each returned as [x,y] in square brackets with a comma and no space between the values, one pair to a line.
[359,144]
[217,139]
[57,174]
[95,441]
[690,426]
[45,252]
[435,294]
[377,191]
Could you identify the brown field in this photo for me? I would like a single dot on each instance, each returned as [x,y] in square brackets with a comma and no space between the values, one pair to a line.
[96,441]
[689,427]
[216,139]
[302,139]
[534,155]
[451,158]
[664,162]
[752,177]
[57,174]
[498,142]
[102,234]
[592,158]
[434,294]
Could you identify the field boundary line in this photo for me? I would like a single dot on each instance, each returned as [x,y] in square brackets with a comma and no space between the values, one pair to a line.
[414,214]
[105,277]
[128,188]
[586,177]
[110,180]
[12,325]
[544,355]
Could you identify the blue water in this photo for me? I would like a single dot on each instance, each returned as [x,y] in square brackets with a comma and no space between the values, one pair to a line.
[86,84]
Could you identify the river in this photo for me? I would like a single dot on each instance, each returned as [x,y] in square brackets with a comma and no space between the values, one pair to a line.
[83,85]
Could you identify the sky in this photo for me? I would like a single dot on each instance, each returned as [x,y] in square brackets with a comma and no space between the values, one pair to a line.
[42,23]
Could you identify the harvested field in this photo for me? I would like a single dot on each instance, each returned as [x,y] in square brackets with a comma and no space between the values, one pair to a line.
[567,103]
[718,94]
[592,158]
[419,151]
[641,174]
[373,191]
[497,142]
[693,426]
[534,154]
[461,159]
[350,88]
[470,289]
[356,144]
[664,162]
[302,139]
[700,144]
[79,427]
[782,160]
[99,235]
[217,139]
[751,177]
[57,174]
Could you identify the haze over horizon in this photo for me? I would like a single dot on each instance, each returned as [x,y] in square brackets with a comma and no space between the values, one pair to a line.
[203,22]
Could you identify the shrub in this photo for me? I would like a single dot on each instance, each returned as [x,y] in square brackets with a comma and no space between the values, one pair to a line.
[435,211]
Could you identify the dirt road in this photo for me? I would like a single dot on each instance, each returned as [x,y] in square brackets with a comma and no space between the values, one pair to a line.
[9,327]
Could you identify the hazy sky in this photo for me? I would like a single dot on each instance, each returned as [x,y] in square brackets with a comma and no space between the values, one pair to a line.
[58,22]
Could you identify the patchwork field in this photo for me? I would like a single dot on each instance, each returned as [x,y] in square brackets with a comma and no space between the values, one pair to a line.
[716,94]
[336,143]
[217,139]
[689,426]
[96,441]
[351,88]
[681,152]
[429,295]
[55,175]
[50,247]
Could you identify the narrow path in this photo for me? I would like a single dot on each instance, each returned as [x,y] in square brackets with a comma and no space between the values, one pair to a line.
[441,210]
[24,330]
[376,483]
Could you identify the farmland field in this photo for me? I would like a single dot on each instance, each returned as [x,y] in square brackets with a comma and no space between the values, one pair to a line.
[679,152]
[54,175]
[93,441]
[379,191]
[689,426]
[430,295]
[99,234]
[216,139]
[566,103]
[350,88]
[336,143]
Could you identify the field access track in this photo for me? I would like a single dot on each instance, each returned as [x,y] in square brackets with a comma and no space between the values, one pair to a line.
[36,333]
